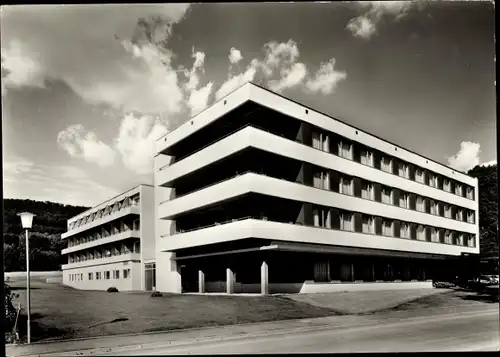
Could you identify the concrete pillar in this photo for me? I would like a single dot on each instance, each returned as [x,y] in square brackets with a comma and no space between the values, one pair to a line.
[230,281]
[201,281]
[264,278]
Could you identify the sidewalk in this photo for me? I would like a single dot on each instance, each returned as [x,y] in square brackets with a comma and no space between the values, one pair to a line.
[115,344]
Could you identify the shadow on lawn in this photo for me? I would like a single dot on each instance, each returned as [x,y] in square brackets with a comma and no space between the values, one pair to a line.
[16,288]
[38,330]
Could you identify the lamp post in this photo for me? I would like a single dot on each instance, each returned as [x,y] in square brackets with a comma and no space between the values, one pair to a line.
[26,222]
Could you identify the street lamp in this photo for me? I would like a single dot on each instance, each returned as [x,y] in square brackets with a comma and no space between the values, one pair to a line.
[26,222]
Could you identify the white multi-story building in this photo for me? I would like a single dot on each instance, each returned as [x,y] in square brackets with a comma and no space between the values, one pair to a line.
[260,193]
[112,244]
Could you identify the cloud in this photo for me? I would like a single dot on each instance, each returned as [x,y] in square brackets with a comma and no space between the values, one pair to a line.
[365,25]
[280,69]
[24,179]
[86,146]
[234,55]
[290,77]
[489,163]
[361,26]
[234,82]
[197,98]
[19,69]
[326,78]
[117,57]
[136,142]
[467,157]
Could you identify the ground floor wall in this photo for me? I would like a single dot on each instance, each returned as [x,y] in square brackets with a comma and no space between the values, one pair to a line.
[125,276]
[293,272]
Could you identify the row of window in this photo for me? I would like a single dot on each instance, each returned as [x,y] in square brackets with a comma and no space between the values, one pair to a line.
[117,206]
[105,253]
[333,218]
[354,186]
[106,275]
[104,232]
[374,158]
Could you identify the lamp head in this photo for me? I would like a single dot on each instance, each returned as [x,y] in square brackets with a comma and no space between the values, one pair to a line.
[26,219]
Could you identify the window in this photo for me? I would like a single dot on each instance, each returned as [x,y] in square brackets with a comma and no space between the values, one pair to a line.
[403,170]
[386,195]
[316,140]
[90,276]
[446,185]
[420,204]
[81,276]
[98,275]
[470,217]
[346,185]
[367,190]
[126,273]
[471,240]
[346,221]
[322,217]
[322,180]
[107,275]
[387,164]
[116,274]
[460,240]
[432,179]
[420,232]
[470,193]
[404,230]
[458,189]
[367,224]
[460,214]
[447,210]
[366,157]
[387,228]
[345,150]
[433,207]
[434,235]
[419,175]
[448,237]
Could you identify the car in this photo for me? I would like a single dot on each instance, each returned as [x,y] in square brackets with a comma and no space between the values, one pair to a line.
[486,280]
[493,278]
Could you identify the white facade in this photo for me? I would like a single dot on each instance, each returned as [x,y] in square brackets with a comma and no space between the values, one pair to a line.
[357,192]
[109,244]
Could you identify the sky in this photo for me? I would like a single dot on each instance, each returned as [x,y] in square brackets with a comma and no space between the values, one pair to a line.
[87,89]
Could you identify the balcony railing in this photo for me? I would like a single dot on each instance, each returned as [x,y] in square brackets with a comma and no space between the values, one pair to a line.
[102,240]
[103,260]
[132,209]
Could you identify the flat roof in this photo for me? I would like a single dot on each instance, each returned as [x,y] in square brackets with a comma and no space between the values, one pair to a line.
[109,199]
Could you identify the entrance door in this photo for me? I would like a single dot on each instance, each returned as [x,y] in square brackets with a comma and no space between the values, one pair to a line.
[150,276]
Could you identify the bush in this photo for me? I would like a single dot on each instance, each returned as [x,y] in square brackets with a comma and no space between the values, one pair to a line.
[112,290]
[10,313]
[156,294]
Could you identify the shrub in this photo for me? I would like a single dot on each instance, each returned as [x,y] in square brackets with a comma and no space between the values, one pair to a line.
[156,294]
[112,290]
[10,312]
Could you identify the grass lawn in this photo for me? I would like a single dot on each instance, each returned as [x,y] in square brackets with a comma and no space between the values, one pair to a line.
[63,312]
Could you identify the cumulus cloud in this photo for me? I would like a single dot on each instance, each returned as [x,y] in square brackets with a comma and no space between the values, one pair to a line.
[365,25]
[197,98]
[467,156]
[113,59]
[280,69]
[136,142]
[87,146]
[234,55]
[326,78]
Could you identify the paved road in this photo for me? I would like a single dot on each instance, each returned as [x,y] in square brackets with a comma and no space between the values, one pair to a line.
[474,331]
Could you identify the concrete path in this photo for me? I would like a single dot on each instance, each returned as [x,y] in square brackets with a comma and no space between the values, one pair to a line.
[198,339]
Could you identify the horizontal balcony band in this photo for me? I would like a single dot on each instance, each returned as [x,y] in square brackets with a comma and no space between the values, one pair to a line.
[134,257]
[278,232]
[253,137]
[102,220]
[265,185]
[101,241]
